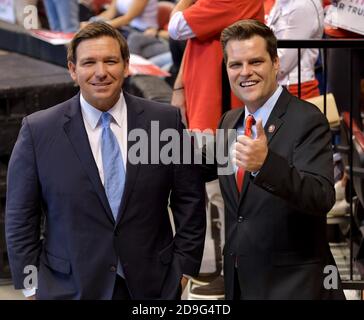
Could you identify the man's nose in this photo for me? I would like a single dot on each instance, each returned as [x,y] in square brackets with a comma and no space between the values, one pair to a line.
[100,70]
[246,70]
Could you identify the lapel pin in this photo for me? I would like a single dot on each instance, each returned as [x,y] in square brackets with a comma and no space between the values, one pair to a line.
[271,128]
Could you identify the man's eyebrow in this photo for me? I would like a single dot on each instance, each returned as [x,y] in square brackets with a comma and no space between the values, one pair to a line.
[234,61]
[112,57]
[93,58]
[87,59]
[260,58]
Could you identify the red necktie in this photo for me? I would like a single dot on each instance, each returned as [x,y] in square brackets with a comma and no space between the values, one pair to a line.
[249,122]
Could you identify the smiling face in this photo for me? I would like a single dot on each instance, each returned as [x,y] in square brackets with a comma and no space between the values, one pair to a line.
[99,71]
[251,71]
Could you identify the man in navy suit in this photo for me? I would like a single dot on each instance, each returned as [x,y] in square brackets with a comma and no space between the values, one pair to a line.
[93,247]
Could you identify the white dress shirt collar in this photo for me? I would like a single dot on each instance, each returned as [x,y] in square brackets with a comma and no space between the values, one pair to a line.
[92,115]
[265,110]
[119,126]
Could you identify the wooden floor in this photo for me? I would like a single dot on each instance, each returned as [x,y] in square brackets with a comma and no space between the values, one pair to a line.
[8,293]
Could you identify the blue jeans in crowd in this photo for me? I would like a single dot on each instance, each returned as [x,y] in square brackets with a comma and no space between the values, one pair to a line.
[63,15]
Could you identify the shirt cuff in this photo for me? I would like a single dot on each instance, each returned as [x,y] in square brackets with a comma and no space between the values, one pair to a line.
[29,292]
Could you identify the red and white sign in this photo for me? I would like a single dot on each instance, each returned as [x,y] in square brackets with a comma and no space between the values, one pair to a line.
[53,37]
[7,11]
[140,65]
[346,14]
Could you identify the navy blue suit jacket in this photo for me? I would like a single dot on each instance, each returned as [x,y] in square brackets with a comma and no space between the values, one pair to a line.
[52,172]
[276,227]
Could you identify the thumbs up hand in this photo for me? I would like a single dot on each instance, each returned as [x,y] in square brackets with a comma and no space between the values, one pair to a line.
[250,153]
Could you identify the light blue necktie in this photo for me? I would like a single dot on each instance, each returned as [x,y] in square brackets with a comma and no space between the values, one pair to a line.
[114,172]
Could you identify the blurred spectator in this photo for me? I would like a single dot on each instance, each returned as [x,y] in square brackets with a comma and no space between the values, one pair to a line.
[63,15]
[153,43]
[177,48]
[96,6]
[200,77]
[297,19]
[339,74]
[130,15]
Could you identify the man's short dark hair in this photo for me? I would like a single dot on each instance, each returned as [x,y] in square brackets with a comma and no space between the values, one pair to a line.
[97,30]
[246,29]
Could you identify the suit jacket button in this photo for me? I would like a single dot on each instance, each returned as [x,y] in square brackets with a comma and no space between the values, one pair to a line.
[240,219]
[112,268]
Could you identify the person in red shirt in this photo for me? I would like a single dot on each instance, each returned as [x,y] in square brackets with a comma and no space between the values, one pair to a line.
[199,82]
[268,5]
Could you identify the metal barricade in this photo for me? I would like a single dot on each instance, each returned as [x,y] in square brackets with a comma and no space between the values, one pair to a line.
[324,45]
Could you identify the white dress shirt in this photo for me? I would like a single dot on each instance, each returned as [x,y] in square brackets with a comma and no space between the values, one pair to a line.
[262,113]
[297,19]
[92,120]
[118,125]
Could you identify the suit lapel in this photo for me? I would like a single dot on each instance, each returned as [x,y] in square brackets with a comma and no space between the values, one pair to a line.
[232,123]
[235,123]
[75,130]
[136,120]
[275,120]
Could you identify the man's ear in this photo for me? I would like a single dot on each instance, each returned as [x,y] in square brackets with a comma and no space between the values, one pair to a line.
[72,70]
[276,63]
[126,69]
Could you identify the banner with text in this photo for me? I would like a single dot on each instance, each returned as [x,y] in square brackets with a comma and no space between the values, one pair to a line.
[346,14]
